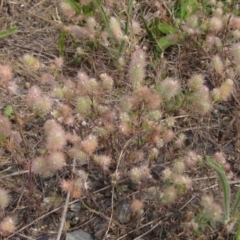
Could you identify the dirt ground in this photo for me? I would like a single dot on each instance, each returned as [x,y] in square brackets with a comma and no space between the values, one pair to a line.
[37,203]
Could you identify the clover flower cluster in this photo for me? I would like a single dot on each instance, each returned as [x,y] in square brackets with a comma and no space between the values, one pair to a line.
[7,223]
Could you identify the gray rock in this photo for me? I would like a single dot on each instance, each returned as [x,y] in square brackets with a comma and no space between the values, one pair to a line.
[78,235]
[75,207]
[124,212]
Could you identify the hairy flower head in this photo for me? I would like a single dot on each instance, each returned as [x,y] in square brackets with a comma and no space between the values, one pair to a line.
[4,198]
[137,68]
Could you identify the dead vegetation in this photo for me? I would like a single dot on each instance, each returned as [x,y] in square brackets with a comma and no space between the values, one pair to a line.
[109,203]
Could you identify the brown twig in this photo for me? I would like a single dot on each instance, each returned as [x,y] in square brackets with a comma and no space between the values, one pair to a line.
[64,213]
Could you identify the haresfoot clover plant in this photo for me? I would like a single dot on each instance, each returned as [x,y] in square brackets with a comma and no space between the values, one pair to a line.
[126,117]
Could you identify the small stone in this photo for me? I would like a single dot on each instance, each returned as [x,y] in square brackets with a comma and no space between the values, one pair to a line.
[75,207]
[78,235]
[124,212]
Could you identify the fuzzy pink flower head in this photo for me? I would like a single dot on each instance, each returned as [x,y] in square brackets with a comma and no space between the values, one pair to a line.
[210,41]
[56,161]
[33,95]
[136,28]
[137,68]
[47,78]
[169,194]
[218,12]
[178,166]
[226,89]
[91,24]
[218,64]
[56,140]
[39,101]
[151,99]
[67,185]
[31,62]
[56,137]
[168,136]
[64,114]
[5,126]
[5,74]
[4,198]
[81,156]
[69,89]
[185,181]
[40,165]
[90,144]
[180,140]
[79,32]
[170,88]
[191,159]
[196,82]
[107,82]
[58,62]
[207,201]
[215,24]
[201,101]
[66,9]
[12,88]
[115,28]
[139,174]
[211,209]
[137,206]
[235,50]
[86,84]
[220,158]
[43,104]
[167,174]
[82,76]
[103,161]
[153,153]
[7,226]
[235,23]
[49,125]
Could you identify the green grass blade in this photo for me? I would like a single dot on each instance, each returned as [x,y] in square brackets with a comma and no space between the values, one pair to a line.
[237,235]
[150,34]
[100,8]
[126,30]
[225,186]
[8,32]
[236,203]
[61,43]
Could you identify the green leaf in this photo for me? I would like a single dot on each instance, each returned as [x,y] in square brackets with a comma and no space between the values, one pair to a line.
[8,111]
[61,42]
[88,9]
[225,186]
[166,28]
[237,235]
[236,203]
[8,32]
[187,8]
[163,43]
